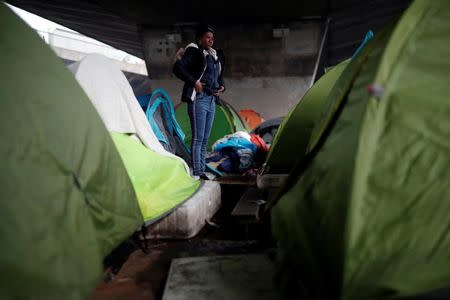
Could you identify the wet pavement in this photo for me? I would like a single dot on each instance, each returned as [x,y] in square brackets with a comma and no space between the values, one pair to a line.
[143,275]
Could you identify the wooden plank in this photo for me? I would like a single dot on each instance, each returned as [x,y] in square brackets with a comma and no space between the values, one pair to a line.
[237,180]
[267,181]
[249,204]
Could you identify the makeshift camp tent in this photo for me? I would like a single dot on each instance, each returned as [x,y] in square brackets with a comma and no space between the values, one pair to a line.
[367,216]
[161,116]
[290,142]
[112,96]
[66,198]
[289,145]
[226,121]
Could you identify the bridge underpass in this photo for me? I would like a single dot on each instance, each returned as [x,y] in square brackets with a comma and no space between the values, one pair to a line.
[271,60]
[271,50]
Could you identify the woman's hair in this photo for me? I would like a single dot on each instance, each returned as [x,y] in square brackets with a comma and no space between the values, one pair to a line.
[202,29]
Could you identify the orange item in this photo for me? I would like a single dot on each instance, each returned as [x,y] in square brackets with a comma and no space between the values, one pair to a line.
[251,117]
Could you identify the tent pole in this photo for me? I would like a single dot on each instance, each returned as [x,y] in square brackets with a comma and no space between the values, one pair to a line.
[318,68]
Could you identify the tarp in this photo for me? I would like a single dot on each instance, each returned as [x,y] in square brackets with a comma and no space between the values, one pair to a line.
[290,143]
[161,116]
[226,121]
[112,96]
[66,198]
[367,217]
[160,182]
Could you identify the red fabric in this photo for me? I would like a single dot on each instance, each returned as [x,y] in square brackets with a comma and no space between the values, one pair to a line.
[259,142]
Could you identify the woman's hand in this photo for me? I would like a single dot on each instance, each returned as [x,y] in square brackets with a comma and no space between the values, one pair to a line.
[179,54]
[198,86]
[220,90]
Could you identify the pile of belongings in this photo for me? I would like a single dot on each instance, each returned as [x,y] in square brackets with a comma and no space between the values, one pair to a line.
[237,153]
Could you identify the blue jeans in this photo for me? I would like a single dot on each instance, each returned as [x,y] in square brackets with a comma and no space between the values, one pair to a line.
[201,113]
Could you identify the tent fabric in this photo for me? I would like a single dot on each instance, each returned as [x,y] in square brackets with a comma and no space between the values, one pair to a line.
[112,96]
[169,111]
[67,200]
[290,143]
[238,123]
[251,118]
[367,216]
[226,121]
[324,183]
[160,182]
[161,116]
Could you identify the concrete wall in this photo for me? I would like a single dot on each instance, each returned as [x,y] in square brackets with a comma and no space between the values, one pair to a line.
[270,96]
[261,50]
[267,67]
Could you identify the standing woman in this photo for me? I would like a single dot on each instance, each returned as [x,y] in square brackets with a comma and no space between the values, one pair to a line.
[201,69]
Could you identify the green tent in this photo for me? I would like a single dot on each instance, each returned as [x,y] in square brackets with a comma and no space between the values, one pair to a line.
[70,193]
[290,142]
[161,182]
[367,216]
[66,198]
[226,121]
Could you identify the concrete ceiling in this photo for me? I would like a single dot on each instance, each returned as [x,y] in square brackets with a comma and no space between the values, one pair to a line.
[119,24]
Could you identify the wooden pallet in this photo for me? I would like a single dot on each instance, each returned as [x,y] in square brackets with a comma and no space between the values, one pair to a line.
[237,180]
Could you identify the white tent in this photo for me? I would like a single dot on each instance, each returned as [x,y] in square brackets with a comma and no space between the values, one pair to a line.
[112,96]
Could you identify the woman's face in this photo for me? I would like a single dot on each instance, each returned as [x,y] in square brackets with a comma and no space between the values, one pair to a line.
[207,40]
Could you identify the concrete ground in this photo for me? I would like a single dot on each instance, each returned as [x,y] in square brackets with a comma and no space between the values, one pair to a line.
[143,275]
